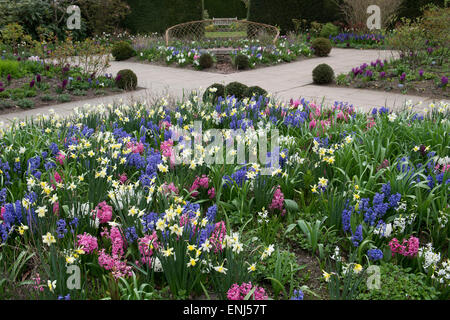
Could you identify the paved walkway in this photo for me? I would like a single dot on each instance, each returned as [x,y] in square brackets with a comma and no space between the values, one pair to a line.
[285,81]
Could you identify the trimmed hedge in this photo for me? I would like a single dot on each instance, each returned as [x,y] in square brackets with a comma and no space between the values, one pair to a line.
[126,79]
[281,12]
[235,89]
[323,74]
[226,9]
[158,15]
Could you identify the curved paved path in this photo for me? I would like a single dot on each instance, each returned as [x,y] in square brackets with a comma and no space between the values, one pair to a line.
[285,81]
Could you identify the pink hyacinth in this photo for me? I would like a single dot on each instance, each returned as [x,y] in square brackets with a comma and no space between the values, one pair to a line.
[166,148]
[2,211]
[212,193]
[202,181]
[218,235]
[123,178]
[56,208]
[135,147]
[60,157]
[118,268]
[278,201]
[103,212]
[57,177]
[408,248]
[146,246]
[164,125]
[312,124]
[169,188]
[237,292]
[117,242]
[87,242]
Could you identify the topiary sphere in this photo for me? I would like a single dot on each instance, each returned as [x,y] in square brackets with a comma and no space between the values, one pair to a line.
[206,61]
[122,51]
[218,90]
[126,80]
[242,62]
[323,74]
[255,90]
[236,89]
[322,47]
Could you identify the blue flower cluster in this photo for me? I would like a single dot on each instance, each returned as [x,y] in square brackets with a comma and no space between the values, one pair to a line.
[375,254]
[297,295]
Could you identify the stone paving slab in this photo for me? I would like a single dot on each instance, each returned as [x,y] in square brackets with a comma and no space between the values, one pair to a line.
[285,81]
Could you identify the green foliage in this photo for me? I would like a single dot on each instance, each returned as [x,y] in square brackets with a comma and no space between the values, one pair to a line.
[254,90]
[236,89]
[220,92]
[122,51]
[281,268]
[286,10]
[11,67]
[25,103]
[399,284]
[64,98]
[323,74]
[206,61]
[126,79]
[241,62]
[328,30]
[322,47]
[158,15]
[226,9]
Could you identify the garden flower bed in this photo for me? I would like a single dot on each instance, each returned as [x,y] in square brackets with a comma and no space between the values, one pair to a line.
[31,83]
[358,40]
[187,54]
[143,212]
[428,78]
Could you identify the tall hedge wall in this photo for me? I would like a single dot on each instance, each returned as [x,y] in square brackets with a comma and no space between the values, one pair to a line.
[281,12]
[226,9]
[158,15]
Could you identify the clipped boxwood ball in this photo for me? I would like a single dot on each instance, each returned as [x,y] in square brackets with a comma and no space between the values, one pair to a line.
[241,62]
[218,90]
[322,47]
[206,61]
[236,89]
[126,79]
[323,74]
[122,51]
[255,90]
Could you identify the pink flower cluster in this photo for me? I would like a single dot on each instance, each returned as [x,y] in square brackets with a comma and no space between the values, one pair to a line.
[202,182]
[146,246]
[136,147]
[118,243]
[60,157]
[103,212]
[118,267]
[123,178]
[443,168]
[237,292]
[167,151]
[37,283]
[87,242]
[169,188]
[278,201]
[408,248]
[218,235]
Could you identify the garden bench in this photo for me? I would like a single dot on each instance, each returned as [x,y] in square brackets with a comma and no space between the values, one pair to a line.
[224,21]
